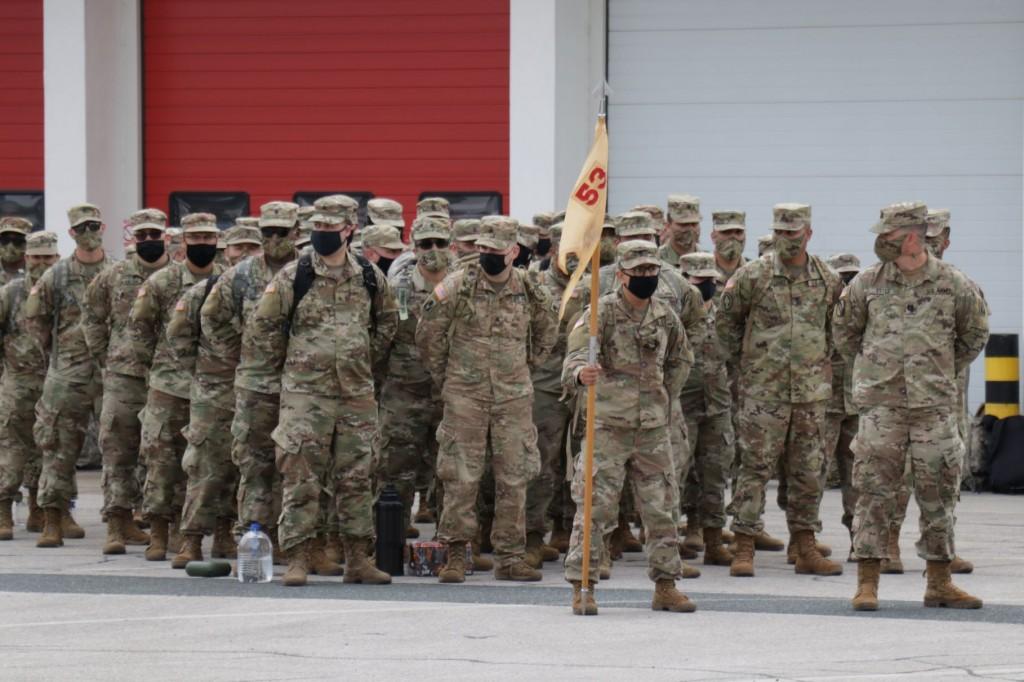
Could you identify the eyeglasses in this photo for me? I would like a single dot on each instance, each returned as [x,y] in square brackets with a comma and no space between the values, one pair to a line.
[10,238]
[90,226]
[427,244]
[148,235]
[271,232]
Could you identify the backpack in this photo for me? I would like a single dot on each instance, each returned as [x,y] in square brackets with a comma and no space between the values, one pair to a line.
[1006,455]
[304,276]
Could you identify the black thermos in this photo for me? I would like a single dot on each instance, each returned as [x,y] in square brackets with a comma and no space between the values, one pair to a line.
[390,516]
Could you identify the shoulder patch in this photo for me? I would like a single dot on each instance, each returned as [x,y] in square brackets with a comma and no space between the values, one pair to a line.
[428,305]
[141,293]
[34,289]
[271,288]
[441,292]
[727,301]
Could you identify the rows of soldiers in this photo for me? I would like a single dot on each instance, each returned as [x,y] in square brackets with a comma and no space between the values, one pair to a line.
[282,372]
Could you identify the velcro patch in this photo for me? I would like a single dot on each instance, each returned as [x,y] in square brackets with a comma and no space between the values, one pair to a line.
[440,292]
[142,292]
[180,305]
[271,288]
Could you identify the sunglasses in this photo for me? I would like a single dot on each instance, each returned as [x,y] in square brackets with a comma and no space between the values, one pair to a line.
[8,238]
[89,226]
[271,232]
[427,244]
[148,236]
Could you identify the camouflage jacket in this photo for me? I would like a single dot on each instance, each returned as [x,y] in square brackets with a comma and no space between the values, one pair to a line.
[213,377]
[645,362]
[682,297]
[909,340]
[841,401]
[22,353]
[723,279]
[547,375]
[707,390]
[8,276]
[108,302]
[59,296]
[338,335]
[482,342]
[404,364]
[778,330]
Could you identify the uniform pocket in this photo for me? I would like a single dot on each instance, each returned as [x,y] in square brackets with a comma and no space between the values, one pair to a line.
[45,429]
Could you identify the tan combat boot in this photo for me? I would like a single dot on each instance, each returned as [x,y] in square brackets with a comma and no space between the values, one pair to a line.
[692,539]
[810,560]
[116,520]
[454,570]
[727,537]
[35,520]
[533,556]
[866,598]
[6,520]
[792,552]
[960,565]
[51,536]
[298,566]
[690,572]
[668,598]
[319,563]
[604,566]
[69,528]
[518,571]
[583,603]
[560,539]
[942,592]
[743,558]
[191,550]
[685,552]
[715,552]
[894,564]
[358,568]
[481,563]
[224,546]
[157,550]
[334,549]
[631,543]
[763,542]
[412,532]
[133,534]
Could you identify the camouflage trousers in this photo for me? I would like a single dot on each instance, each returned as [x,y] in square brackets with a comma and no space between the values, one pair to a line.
[253,452]
[162,446]
[837,434]
[20,459]
[772,435]
[682,462]
[887,438]
[407,440]
[467,429]
[551,417]
[212,477]
[325,456]
[124,397]
[62,413]
[712,446]
[644,459]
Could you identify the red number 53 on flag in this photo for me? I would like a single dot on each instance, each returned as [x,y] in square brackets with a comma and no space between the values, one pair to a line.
[588,192]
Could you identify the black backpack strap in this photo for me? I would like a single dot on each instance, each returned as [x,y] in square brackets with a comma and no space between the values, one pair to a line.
[304,276]
[210,281]
[370,284]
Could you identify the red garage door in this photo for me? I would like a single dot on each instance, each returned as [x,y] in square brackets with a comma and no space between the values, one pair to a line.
[21,107]
[272,97]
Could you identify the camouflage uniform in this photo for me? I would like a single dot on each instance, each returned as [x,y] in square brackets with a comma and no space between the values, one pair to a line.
[645,358]
[682,208]
[908,338]
[12,255]
[479,342]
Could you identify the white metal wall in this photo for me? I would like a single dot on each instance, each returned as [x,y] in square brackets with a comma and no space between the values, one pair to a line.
[846,106]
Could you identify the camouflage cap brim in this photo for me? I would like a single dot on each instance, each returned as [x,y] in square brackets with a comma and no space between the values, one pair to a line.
[636,232]
[433,214]
[433,234]
[729,226]
[390,222]
[789,227]
[277,222]
[327,219]
[148,226]
[467,238]
[394,244]
[638,261]
[202,229]
[490,242]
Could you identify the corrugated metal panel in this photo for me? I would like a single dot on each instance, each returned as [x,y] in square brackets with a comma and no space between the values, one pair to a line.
[21,82]
[274,97]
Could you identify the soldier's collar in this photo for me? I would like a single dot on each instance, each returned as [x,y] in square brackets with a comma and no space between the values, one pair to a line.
[348,268]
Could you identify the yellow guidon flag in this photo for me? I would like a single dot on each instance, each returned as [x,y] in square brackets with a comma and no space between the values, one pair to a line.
[584,216]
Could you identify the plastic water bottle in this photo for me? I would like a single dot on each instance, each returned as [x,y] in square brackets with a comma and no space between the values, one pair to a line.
[255,557]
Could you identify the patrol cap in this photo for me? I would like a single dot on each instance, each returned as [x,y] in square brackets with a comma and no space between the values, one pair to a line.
[698,264]
[279,214]
[683,208]
[559,217]
[41,244]
[305,230]
[430,227]
[244,234]
[15,224]
[385,212]
[148,219]
[765,244]
[222,240]
[901,215]
[466,230]
[844,262]
[175,234]
[529,235]
[383,237]
[84,213]
[556,232]
[497,232]
[791,217]
[306,213]
[544,221]
[657,215]
[247,221]
[433,206]
[336,209]
[729,220]
[195,223]
[938,221]
[634,223]
[636,252]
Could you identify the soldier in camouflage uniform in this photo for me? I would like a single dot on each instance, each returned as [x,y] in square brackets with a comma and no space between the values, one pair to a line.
[774,317]
[175,245]
[529,237]
[13,232]
[108,303]
[24,368]
[683,228]
[326,347]
[480,332]
[166,412]
[542,256]
[434,207]
[382,244]
[765,245]
[464,234]
[53,310]
[243,242]
[910,324]
[305,227]
[643,359]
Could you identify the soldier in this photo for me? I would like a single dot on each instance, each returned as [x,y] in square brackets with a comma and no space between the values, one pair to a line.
[24,368]
[325,323]
[480,332]
[774,317]
[166,413]
[53,310]
[464,235]
[13,232]
[305,227]
[910,324]
[529,236]
[108,303]
[729,235]
[643,360]
[765,245]
[383,211]
[707,405]
[683,229]
[175,245]
[544,222]
[382,244]
[243,242]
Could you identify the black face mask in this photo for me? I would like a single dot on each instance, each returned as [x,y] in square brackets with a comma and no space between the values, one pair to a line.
[493,263]
[384,264]
[523,259]
[543,246]
[201,255]
[325,243]
[847,277]
[642,287]
[707,289]
[150,251]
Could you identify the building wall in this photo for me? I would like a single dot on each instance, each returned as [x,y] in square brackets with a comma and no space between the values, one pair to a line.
[21,82]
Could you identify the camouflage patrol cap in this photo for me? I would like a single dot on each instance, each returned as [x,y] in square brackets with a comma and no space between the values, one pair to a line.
[382,237]
[243,234]
[698,264]
[544,221]
[683,208]
[41,244]
[636,252]
[559,217]
[195,223]
[556,231]
[430,227]
[84,213]
[385,212]
[529,235]
[844,262]
[336,209]
[222,239]
[466,230]
[497,232]
[765,244]
[306,213]
[148,219]
[305,230]
[279,214]
[791,217]
[247,221]
[938,221]
[729,220]
[15,224]
[634,223]
[901,215]
[655,212]
[175,234]
[433,206]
